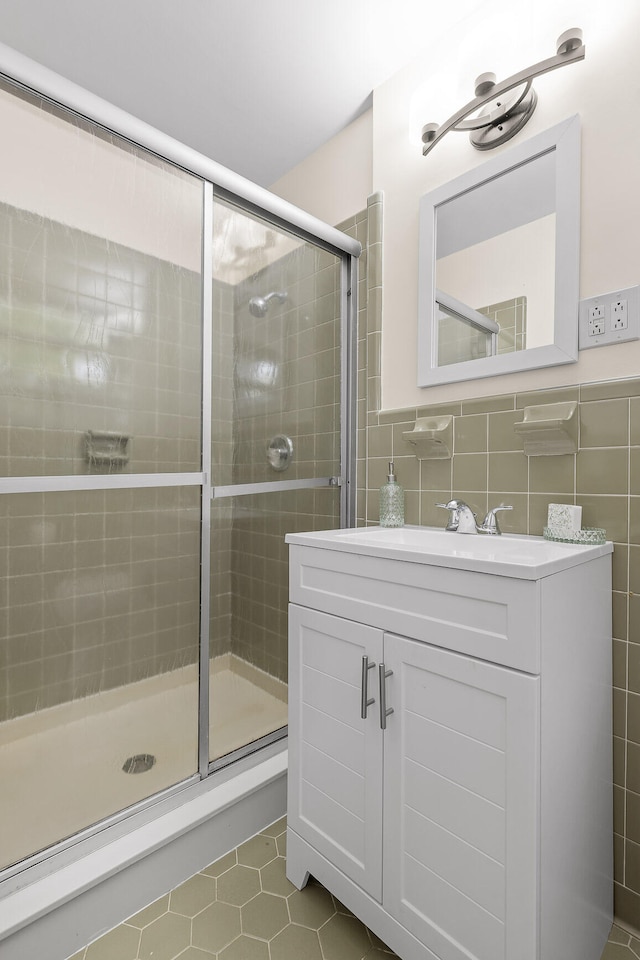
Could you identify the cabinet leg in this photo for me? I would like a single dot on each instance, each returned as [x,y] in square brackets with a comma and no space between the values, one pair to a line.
[296,870]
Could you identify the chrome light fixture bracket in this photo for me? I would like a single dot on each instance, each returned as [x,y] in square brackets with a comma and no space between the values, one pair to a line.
[508,105]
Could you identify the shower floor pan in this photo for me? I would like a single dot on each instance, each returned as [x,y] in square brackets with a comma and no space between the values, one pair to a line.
[69,766]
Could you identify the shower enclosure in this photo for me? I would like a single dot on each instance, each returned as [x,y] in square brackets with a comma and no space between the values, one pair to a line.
[175,356]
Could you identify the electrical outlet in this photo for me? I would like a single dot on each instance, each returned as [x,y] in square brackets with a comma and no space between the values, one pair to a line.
[609,318]
[619,320]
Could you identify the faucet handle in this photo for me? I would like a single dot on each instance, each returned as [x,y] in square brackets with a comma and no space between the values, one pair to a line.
[454,516]
[490,523]
[461,517]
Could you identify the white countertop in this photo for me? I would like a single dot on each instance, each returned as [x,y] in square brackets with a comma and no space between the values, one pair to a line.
[508,555]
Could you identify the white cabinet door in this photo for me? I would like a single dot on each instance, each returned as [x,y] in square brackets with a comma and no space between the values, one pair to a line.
[461,803]
[335,756]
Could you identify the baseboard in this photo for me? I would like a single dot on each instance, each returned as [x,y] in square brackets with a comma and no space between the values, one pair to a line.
[627,927]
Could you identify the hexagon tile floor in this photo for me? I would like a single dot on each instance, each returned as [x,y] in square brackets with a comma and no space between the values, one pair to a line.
[242,907]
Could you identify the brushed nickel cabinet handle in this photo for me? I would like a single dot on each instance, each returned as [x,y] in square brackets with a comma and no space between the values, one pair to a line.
[384,710]
[365,700]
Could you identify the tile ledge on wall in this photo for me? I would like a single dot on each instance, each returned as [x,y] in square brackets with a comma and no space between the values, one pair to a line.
[610,389]
[593,390]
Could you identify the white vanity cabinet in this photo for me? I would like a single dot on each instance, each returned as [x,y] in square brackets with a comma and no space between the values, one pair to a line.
[469,815]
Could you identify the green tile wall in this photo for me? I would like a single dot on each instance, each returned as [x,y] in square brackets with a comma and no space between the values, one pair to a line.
[296,350]
[102,589]
[73,304]
[489,467]
[222,424]
[95,336]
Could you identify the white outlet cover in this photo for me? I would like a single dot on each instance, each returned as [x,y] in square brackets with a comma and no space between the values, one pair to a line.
[586,339]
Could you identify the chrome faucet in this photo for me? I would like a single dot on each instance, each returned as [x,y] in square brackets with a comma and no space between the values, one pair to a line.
[490,523]
[463,520]
[461,517]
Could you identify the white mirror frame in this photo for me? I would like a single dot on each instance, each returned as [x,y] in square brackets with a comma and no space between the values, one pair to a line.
[564,140]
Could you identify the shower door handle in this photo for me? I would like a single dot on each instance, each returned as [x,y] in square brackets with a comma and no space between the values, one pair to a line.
[365,700]
[384,710]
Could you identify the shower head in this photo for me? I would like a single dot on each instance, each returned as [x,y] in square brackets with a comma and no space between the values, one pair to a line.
[258,306]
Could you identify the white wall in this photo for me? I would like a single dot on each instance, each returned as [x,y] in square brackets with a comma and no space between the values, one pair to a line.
[517,263]
[503,36]
[600,89]
[61,171]
[334,182]
[73,174]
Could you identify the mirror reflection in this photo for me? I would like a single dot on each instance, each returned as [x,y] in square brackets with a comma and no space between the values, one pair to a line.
[495,264]
[499,258]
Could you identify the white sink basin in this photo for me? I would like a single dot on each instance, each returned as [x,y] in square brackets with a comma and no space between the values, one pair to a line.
[508,554]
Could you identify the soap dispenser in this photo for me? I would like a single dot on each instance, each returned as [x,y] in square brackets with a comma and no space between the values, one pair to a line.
[391,501]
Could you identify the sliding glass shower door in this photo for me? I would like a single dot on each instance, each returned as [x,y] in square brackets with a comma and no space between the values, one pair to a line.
[173,397]
[100,473]
[276,454]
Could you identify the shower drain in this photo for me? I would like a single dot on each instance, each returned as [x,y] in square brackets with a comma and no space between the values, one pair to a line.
[139,763]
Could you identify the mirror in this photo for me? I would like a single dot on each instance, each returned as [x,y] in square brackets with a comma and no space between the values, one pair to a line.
[499,263]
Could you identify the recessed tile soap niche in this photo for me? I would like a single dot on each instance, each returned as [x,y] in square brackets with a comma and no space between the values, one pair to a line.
[107,449]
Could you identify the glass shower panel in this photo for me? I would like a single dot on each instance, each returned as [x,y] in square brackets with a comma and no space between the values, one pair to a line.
[100,300]
[104,400]
[99,605]
[276,353]
[249,593]
[460,340]
[276,419]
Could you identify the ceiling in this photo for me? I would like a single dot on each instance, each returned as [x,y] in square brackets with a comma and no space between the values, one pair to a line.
[256,85]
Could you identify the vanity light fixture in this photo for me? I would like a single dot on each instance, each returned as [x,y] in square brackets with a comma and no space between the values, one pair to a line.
[505,112]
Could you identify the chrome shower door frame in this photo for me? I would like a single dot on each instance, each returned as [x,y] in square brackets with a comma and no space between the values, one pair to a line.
[344,481]
[27,74]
